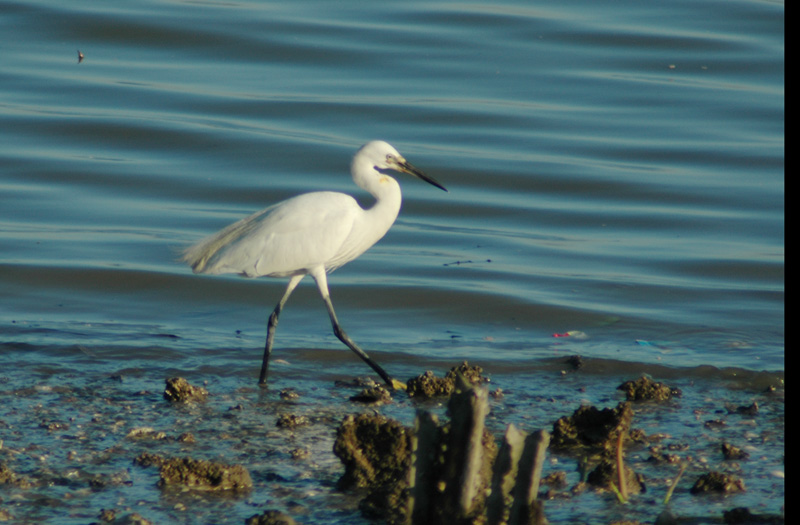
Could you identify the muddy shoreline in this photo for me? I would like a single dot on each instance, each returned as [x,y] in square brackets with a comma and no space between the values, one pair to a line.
[195,452]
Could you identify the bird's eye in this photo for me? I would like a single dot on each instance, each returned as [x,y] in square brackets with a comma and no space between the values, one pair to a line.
[389,157]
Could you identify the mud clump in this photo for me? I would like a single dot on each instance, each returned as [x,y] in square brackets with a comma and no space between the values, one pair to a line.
[134,518]
[744,516]
[733,452]
[745,410]
[146,433]
[54,426]
[373,449]
[717,483]
[179,390]
[606,475]
[375,395]
[289,394]
[556,479]
[147,459]
[376,453]
[270,517]
[197,474]
[473,374]
[658,454]
[9,477]
[107,515]
[575,362]
[645,389]
[427,385]
[299,453]
[291,421]
[590,427]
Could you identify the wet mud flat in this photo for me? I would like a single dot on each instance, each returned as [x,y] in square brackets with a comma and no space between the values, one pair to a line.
[130,448]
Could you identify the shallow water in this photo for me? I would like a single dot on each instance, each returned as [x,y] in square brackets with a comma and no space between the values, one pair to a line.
[615,173]
[75,431]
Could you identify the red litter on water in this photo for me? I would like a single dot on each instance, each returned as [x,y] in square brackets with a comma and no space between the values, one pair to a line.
[572,333]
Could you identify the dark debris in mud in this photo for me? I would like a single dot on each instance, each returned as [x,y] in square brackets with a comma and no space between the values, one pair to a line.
[733,452]
[373,449]
[180,391]
[197,474]
[606,475]
[247,426]
[111,516]
[590,427]
[597,434]
[374,395]
[743,516]
[270,517]
[292,421]
[9,477]
[427,385]
[645,389]
[717,482]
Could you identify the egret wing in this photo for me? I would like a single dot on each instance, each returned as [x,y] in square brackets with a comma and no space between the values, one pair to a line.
[286,239]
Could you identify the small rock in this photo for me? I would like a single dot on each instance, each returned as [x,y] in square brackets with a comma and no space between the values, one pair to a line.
[144,433]
[146,459]
[375,395]
[575,362]
[591,427]
[108,515]
[291,421]
[299,453]
[666,517]
[9,477]
[644,389]
[555,479]
[289,394]
[134,518]
[53,426]
[373,449]
[204,475]
[658,455]
[742,515]
[186,437]
[605,475]
[270,517]
[179,390]
[731,452]
[745,410]
[428,385]
[717,482]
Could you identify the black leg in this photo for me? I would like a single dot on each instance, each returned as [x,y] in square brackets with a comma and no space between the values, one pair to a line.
[343,337]
[272,324]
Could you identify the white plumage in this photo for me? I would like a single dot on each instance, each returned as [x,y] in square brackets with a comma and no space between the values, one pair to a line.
[311,234]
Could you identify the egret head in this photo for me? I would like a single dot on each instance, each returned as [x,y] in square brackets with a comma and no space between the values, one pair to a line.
[380,156]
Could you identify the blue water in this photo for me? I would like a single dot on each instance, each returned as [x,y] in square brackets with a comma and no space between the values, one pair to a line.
[614,170]
[616,173]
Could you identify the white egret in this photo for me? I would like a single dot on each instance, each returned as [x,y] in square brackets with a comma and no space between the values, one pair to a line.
[311,234]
